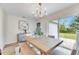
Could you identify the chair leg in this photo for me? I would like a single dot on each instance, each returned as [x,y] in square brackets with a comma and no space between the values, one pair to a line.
[0,51]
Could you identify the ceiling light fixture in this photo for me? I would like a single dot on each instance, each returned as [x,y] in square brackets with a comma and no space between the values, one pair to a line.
[40,10]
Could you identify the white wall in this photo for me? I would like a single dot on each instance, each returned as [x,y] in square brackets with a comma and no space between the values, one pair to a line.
[12,28]
[1,29]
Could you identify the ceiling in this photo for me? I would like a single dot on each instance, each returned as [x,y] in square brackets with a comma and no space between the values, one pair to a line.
[27,9]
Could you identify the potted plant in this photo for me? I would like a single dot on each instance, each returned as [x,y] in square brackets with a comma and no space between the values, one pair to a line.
[38,32]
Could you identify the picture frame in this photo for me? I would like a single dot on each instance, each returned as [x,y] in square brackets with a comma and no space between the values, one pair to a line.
[23,25]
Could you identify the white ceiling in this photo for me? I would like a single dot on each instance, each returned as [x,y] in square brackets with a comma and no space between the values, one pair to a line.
[27,9]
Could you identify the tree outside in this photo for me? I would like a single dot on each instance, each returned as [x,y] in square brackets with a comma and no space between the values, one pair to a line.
[67,27]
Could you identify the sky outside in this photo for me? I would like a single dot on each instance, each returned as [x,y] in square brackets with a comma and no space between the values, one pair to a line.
[67,20]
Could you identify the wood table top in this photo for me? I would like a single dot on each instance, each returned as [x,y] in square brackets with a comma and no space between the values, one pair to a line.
[45,44]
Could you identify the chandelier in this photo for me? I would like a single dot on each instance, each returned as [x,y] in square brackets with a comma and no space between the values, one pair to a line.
[40,10]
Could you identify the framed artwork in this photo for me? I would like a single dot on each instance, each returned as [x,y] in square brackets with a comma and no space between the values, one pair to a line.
[23,25]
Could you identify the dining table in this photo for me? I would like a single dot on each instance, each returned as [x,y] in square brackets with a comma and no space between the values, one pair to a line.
[44,44]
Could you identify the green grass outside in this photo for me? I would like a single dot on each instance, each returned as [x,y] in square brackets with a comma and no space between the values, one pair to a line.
[68,35]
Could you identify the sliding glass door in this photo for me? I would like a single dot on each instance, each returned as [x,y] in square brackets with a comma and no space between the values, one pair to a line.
[66,31]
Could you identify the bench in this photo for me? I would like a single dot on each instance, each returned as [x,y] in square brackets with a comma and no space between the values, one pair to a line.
[26,50]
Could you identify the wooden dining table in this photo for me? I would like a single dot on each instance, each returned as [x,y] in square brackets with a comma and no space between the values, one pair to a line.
[44,44]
